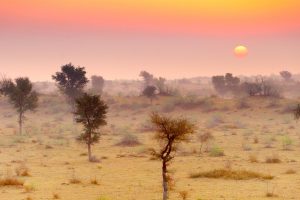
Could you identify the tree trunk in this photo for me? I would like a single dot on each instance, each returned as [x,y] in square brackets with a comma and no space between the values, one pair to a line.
[20,122]
[165,181]
[90,152]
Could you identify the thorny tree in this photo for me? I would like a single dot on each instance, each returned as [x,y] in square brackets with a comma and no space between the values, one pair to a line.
[169,134]
[90,111]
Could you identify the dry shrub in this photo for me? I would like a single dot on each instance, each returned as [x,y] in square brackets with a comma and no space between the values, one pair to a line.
[56,196]
[253,159]
[290,171]
[94,181]
[184,195]
[29,187]
[10,182]
[75,181]
[273,159]
[231,174]
[129,140]
[205,138]
[22,170]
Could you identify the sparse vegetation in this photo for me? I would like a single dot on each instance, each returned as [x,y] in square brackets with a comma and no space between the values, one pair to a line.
[231,174]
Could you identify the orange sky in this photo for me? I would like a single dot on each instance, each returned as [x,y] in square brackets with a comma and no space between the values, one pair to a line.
[188,33]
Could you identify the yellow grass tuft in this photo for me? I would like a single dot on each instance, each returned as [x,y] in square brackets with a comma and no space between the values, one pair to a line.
[11,182]
[231,174]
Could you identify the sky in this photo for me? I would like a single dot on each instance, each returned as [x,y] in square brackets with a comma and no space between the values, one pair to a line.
[170,38]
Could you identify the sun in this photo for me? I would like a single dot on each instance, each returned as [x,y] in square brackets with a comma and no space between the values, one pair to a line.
[241,51]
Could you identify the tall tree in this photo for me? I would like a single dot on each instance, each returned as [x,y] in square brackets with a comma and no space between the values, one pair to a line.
[71,81]
[90,111]
[97,84]
[169,134]
[21,96]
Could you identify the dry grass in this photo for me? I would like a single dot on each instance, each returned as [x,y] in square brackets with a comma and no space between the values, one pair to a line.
[11,182]
[290,171]
[184,195]
[231,174]
[253,159]
[74,181]
[94,181]
[273,159]
[56,196]
[22,171]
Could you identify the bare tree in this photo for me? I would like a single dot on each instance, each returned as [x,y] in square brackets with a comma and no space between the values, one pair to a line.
[90,111]
[169,134]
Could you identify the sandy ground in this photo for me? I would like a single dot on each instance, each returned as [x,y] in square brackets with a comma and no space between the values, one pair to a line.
[49,150]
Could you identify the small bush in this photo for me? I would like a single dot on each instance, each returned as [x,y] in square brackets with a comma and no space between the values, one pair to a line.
[75,180]
[290,171]
[56,196]
[22,170]
[129,140]
[287,142]
[94,181]
[183,195]
[253,159]
[231,174]
[216,151]
[11,182]
[273,159]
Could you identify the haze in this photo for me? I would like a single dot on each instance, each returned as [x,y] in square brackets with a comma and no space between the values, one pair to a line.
[175,39]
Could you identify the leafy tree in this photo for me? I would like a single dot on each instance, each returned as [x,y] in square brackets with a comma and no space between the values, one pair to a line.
[97,84]
[90,111]
[286,75]
[169,134]
[150,92]
[21,96]
[71,81]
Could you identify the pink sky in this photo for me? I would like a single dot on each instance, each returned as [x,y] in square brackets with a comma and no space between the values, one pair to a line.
[175,39]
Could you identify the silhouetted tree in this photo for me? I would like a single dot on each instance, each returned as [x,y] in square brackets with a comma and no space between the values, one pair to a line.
[21,96]
[150,92]
[71,81]
[169,134]
[232,83]
[161,86]
[286,75]
[90,111]
[223,84]
[252,89]
[219,84]
[148,78]
[97,84]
